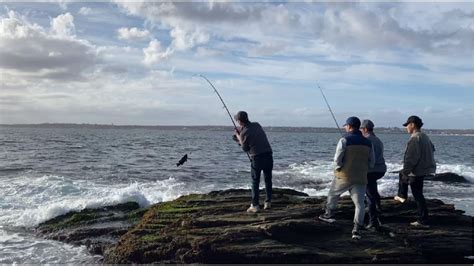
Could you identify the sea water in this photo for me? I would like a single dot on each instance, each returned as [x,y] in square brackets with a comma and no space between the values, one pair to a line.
[46,172]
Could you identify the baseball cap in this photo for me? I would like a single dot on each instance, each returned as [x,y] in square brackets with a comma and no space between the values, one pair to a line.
[353,121]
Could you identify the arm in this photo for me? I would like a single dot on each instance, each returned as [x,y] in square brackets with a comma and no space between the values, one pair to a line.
[371,157]
[340,151]
[243,140]
[412,156]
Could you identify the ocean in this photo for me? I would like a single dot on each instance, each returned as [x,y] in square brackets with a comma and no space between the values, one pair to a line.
[46,172]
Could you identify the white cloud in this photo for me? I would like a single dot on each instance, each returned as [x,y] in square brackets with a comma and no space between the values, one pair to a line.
[85,11]
[132,34]
[30,52]
[63,25]
[154,53]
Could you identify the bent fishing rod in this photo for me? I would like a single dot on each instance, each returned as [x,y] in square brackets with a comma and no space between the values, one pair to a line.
[225,106]
[330,110]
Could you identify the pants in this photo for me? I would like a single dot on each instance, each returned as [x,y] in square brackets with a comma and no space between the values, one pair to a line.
[373,197]
[416,185]
[259,163]
[357,192]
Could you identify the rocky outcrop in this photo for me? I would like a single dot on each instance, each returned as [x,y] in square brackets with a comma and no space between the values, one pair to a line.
[97,229]
[449,177]
[214,228]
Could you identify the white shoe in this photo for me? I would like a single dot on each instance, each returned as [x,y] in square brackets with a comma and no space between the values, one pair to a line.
[397,198]
[253,209]
[267,206]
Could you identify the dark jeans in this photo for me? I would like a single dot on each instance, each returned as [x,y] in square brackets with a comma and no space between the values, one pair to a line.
[416,185]
[261,162]
[373,196]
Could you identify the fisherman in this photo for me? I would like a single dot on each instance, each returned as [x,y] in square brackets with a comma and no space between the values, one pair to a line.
[418,162]
[254,141]
[374,174]
[354,156]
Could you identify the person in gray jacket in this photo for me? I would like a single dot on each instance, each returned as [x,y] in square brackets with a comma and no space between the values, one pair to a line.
[374,174]
[418,162]
[254,141]
[354,156]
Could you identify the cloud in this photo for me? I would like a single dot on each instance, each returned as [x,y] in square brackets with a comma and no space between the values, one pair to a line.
[85,11]
[132,34]
[28,51]
[154,52]
[63,25]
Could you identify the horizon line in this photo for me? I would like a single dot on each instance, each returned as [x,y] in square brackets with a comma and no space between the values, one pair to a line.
[137,125]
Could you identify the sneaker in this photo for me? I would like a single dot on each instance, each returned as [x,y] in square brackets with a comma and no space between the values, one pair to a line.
[373,227]
[253,209]
[397,198]
[419,224]
[356,232]
[327,217]
[267,206]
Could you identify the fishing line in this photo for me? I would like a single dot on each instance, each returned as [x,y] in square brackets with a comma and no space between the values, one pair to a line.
[225,106]
[330,110]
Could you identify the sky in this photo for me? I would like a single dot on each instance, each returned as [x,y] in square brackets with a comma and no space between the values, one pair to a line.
[135,63]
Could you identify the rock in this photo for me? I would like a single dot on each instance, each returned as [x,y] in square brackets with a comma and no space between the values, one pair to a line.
[97,229]
[449,177]
[214,228]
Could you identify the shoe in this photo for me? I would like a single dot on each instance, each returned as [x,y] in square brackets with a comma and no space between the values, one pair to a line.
[267,206]
[356,232]
[327,217]
[397,198]
[253,209]
[373,227]
[419,224]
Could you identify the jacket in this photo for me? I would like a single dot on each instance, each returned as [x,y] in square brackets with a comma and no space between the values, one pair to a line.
[354,156]
[419,156]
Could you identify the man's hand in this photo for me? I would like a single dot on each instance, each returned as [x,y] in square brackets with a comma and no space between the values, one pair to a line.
[405,178]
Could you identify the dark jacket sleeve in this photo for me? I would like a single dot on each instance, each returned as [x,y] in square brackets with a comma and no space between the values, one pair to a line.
[245,141]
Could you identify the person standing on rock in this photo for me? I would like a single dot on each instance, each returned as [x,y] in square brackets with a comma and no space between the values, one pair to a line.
[254,141]
[418,162]
[374,174]
[354,156]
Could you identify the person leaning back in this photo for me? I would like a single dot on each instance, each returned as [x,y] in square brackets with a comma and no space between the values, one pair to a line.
[254,141]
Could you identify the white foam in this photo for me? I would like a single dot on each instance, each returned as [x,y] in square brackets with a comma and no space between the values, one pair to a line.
[24,249]
[28,202]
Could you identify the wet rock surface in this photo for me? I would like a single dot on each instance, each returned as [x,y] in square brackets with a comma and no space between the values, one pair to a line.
[214,228]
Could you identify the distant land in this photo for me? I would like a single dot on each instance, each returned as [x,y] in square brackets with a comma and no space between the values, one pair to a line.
[392,130]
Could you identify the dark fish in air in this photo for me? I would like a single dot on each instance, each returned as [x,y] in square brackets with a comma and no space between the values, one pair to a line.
[183,160]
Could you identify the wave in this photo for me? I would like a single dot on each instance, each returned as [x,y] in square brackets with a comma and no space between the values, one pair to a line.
[30,201]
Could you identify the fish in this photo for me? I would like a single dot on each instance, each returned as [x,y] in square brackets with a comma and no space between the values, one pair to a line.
[182,160]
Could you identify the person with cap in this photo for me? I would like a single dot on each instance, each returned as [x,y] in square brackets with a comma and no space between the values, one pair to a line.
[354,156]
[374,174]
[254,141]
[418,162]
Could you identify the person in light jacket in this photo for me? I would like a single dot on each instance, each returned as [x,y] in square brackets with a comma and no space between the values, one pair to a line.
[354,156]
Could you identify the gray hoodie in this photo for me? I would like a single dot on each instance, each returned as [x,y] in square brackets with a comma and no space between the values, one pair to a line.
[380,166]
[254,139]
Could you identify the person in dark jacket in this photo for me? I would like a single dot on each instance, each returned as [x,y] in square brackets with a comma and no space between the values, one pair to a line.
[254,141]
[354,156]
[374,174]
[418,162]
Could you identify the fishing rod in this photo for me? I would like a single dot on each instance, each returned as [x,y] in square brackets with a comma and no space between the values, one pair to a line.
[330,110]
[225,106]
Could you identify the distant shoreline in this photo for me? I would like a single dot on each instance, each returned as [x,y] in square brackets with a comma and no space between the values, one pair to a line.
[390,130]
